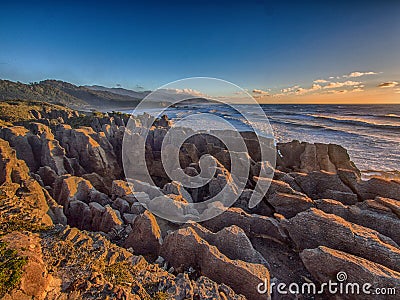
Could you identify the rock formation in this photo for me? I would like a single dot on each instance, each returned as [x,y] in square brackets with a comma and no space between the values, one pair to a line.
[87,233]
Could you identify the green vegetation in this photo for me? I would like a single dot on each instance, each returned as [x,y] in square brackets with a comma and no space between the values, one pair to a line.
[12,111]
[11,265]
[64,93]
[160,296]
[15,217]
[119,272]
[82,120]
[35,91]
[98,114]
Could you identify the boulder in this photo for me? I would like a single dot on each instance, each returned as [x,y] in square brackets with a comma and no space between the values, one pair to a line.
[120,188]
[137,208]
[287,178]
[184,248]
[98,182]
[92,150]
[233,242]
[110,219]
[335,232]
[121,205]
[323,184]
[392,204]
[48,176]
[306,157]
[129,218]
[97,211]
[12,170]
[380,221]
[252,225]
[78,214]
[145,238]
[325,264]
[68,188]
[172,208]
[262,208]
[177,188]
[289,205]
[18,138]
[374,187]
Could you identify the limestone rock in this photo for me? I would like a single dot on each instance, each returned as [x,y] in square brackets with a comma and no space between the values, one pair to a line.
[185,248]
[92,150]
[110,219]
[392,204]
[98,182]
[371,188]
[325,263]
[11,168]
[306,157]
[78,214]
[335,232]
[120,188]
[289,205]
[68,188]
[253,225]
[121,205]
[145,237]
[177,188]
[35,280]
[321,184]
[232,242]
[380,221]
[18,136]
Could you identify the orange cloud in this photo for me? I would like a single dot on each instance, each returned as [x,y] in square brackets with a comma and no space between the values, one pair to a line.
[358,74]
[388,84]
[333,85]
[260,92]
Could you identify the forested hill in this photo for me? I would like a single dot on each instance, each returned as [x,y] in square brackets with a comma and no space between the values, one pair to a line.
[60,92]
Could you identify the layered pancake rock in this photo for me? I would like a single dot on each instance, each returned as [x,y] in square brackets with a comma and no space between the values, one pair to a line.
[66,207]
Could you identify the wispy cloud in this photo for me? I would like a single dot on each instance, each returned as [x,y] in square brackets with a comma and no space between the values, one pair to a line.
[358,74]
[338,84]
[354,90]
[290,89]
[337,91]
[187,91]
[260,92]
[388,84]
[314,87]
[333,85]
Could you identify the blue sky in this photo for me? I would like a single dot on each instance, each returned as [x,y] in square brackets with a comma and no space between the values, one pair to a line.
[255,44]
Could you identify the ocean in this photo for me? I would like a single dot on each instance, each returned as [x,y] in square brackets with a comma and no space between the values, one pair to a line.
[370,133]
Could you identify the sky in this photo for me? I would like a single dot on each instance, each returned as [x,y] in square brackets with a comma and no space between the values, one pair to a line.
[279,51]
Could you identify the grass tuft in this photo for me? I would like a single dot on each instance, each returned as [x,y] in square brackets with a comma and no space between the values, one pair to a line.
[11,265]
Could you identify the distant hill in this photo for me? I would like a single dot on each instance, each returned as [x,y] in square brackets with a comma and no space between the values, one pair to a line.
[86,97]
[94,98]
[60,92]
[119,91]
[10,90]
[167,95]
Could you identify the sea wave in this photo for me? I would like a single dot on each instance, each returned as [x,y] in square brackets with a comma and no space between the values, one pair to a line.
[359,122]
